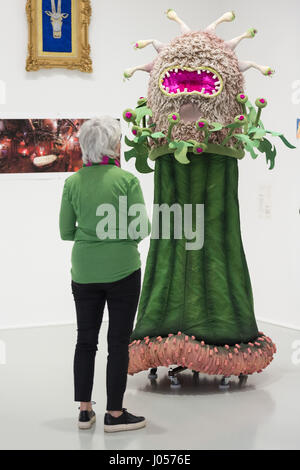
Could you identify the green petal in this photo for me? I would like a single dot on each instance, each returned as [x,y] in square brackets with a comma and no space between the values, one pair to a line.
[181,152]
[141,164]
[128,142]
[259,134]
[216,126]
[142,112]
[267,148]
[158,135]
[281,136]
[130,154]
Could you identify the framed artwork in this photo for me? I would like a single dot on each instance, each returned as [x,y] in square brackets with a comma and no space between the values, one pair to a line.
[298,128]
[58,34]
[40,146]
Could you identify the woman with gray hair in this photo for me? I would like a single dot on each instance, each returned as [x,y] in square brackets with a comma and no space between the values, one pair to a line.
[95,208]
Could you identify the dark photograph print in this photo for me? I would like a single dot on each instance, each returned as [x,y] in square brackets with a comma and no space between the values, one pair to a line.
[40,145]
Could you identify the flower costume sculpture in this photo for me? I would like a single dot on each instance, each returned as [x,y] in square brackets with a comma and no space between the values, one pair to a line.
[196,309]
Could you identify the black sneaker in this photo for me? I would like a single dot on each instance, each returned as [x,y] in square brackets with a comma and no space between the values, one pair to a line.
[86,419]
[125,422]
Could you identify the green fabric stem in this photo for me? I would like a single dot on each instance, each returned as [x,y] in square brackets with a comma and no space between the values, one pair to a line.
[257,117]
[206,292]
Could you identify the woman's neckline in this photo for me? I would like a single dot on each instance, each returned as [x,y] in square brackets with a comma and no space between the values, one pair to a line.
[105,161]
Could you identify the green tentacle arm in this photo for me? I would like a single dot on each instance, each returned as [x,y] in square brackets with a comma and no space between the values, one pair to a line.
[129,116]
[173,119]
[242,98]
[261,103]
[238,122]
[202,125]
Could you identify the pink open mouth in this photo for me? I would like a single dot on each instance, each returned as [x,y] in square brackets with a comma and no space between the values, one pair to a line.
[203,81]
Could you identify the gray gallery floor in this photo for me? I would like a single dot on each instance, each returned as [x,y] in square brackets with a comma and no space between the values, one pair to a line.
[37,411]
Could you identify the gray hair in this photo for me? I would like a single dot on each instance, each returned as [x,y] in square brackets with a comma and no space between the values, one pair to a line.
[99,137]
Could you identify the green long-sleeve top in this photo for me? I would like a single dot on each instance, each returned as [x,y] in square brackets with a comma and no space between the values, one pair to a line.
[104,251]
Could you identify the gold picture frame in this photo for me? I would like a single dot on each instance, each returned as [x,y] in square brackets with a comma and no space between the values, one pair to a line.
[78,56]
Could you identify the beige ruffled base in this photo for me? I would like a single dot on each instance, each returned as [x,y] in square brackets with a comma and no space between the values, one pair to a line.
[186,351]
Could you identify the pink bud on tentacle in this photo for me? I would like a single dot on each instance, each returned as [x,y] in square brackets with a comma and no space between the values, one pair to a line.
[186,338]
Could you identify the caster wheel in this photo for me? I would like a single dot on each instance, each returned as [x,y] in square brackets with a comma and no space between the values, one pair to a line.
[195,376]
[224,383]
[152,374]
[175,382]
[243,380]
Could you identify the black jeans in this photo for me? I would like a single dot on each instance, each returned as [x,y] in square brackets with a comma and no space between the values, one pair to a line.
[122,300]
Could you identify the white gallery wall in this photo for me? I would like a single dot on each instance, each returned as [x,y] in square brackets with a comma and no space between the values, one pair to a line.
[34,263]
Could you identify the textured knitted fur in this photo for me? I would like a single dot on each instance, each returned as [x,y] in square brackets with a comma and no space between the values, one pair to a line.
[197,49]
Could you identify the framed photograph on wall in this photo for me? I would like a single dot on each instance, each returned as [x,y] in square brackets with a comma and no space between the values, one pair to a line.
[58,34]
[40,146]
